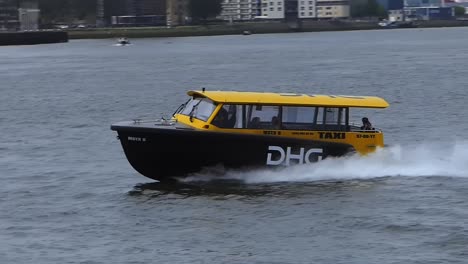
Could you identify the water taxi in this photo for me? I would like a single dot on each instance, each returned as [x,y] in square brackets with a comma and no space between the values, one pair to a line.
[245,130]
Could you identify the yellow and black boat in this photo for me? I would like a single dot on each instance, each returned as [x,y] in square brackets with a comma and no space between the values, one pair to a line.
[247,129]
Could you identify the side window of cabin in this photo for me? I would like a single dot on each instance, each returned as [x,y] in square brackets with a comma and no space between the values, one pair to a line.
[313,118]
[318,117]
[262,117]
[298,118]
[334,118]
[235,113]
[229,116]
[331,116]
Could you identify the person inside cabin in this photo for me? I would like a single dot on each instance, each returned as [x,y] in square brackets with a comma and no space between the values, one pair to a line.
[366,124]
[221,118]
[275,124]
[255,123]
[231,121]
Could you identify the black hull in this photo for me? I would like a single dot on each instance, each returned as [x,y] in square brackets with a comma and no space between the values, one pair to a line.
[167,153]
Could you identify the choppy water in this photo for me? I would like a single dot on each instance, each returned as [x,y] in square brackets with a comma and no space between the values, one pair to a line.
[68,194]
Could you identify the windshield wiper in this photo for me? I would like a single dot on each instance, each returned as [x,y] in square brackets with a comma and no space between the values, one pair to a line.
[179,109]
[194,107]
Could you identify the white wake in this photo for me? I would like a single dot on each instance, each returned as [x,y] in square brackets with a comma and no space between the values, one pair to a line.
[426,159]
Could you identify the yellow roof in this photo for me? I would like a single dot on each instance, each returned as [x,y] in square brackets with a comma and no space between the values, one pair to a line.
[235,97]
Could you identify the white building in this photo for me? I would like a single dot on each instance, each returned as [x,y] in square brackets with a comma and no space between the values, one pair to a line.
[318,9]
[424,3]
[307,8]
[332,8]
[396,15]
[273,9]
[237,10]
[29,18]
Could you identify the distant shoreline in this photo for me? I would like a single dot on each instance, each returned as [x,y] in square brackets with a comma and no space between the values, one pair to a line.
[32,37]
[240,28]
[246,28]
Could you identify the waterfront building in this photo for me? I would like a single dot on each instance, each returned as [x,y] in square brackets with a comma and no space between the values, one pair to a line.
[383,3]
[391,4]
[29,15]
[428,10]
[9,19]
[422,10]
[240,10]
[100,13]
[19,15]
[111,9]
[310,9]
[429,13]
[273,9]
[148,12]
[332,8]
[462,3]
[146,7]
[424,3]
[409,10]
[177,12]
[395,4]
[314,9]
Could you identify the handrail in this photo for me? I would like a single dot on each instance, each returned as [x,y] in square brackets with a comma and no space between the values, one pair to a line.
[162,121]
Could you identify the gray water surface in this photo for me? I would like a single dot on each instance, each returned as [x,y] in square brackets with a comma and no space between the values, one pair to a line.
[68,194]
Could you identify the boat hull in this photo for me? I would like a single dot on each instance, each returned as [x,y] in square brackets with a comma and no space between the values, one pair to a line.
[166,152]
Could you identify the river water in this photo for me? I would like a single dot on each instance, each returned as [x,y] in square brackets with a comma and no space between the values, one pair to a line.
[68,194]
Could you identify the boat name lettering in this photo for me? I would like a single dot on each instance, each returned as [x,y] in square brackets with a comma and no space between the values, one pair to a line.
[365,136]
[303,133]
[138,139]
[285,156]
[332,135]
[269,132]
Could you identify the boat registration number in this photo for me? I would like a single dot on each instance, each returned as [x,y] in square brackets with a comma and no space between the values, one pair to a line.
[365,136]
[137,139]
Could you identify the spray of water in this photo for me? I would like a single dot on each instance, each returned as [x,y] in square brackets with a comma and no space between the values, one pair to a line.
[423,159]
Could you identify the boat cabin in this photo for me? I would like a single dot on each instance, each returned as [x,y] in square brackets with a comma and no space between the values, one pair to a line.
[316,117]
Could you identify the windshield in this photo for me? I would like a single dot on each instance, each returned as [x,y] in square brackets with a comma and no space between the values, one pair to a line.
[199,108]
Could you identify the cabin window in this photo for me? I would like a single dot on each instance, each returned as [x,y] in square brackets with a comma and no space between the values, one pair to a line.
[199,108]
[298,118]
[318,117]
[334,118]
[313,118]
[229,116]
[331,116]
[263,117]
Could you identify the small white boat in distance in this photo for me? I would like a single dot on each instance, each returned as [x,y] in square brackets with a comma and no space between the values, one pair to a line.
[123,41]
